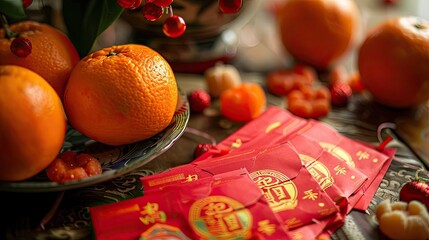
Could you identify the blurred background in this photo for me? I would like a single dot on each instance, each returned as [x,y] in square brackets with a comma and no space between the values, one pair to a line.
[248,39]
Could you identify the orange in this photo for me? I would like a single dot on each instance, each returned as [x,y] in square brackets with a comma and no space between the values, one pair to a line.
[318,32]
[393,62]
[32,123]
[121,94]
[53,56]
[243,103]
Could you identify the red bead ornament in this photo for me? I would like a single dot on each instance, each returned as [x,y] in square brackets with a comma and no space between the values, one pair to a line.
[199,100]
[162,3]
[152,12]
[389,1]
[129,4]
[174,26]
[201,149]
[417,189]
[21,47]
[340,94]
[26,3]
[230,6]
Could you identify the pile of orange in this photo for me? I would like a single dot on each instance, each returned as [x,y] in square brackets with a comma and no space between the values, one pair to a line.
[116,96]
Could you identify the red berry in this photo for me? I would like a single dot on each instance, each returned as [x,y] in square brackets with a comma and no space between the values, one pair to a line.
[26,3]
[152,12]
[199,100]
[230,6]
[174,26]
[415,190]
[162,3]
[389,1]
[340,94]
[129,4]
[201,149]
[21,47]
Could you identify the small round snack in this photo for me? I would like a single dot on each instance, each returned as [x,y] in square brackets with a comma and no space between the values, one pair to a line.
[70,166]
[220,78]
[243,103]
[403,221]
[309,103]
[282,81]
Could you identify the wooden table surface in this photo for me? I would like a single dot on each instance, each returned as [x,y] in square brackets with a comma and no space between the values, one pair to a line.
[30,215]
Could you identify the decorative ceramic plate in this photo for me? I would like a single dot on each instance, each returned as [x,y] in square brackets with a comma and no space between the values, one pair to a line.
[115,160]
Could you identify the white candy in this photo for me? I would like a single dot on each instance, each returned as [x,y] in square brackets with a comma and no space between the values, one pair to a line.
[221,77]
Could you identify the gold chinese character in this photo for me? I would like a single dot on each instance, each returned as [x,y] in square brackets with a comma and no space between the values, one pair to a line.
[217,208]
[191,178]
[236,144]
[151,214]
[232,222]
[150,208]
[266,227]
[309,194]
[265,181]
[362,155]
[340,170]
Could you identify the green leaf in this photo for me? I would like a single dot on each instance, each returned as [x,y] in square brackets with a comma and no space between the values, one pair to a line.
[12,9]
[85,20]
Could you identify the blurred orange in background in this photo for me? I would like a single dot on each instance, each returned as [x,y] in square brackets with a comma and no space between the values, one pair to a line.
[318,32]
[393,62]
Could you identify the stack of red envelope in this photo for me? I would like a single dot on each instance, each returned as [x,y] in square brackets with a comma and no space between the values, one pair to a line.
[309,175]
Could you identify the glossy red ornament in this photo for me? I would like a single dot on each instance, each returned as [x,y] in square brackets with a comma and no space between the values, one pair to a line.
[162,3]
[415,190]
[389,1]
[230,6]
[152,12]
[174,26]
[340,94]
[199,100]
[21,47]
[26,3]
[129,4]
[201,149]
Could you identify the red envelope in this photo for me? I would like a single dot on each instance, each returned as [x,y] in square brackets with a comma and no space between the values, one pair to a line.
[366,159]
[365,200]
[212,207]
[315,229]
[335,176]
[227,206]
[289,188]
[173,176]
[146,217]
[253,135]
[277,125]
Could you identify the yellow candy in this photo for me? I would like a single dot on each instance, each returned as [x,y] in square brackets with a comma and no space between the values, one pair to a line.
[403,221]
